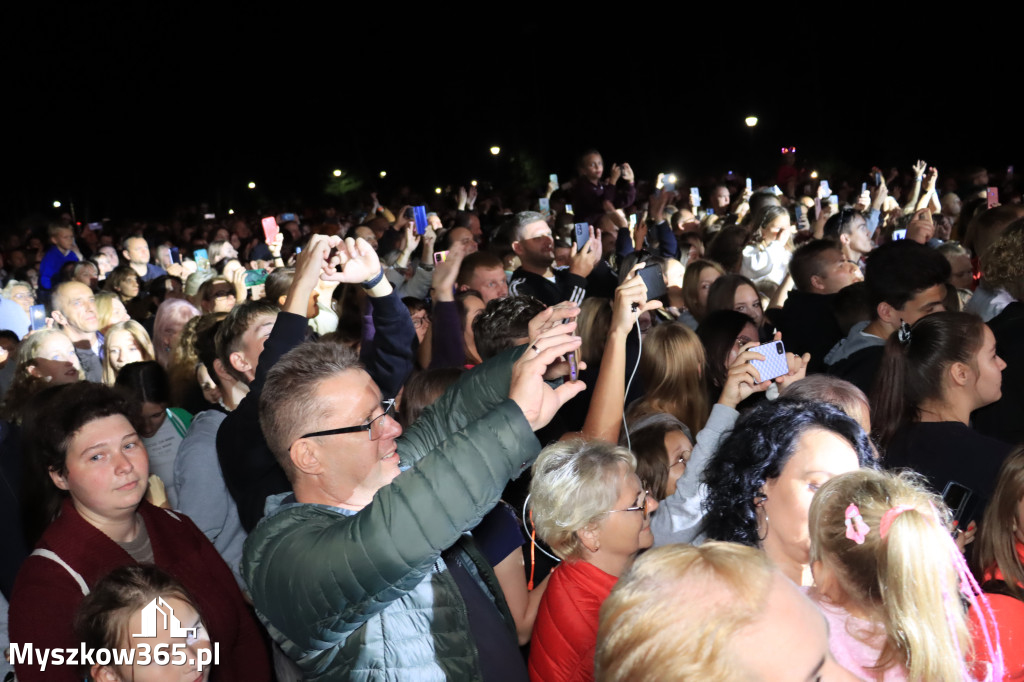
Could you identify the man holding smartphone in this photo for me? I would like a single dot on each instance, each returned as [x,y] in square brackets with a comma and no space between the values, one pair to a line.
[537,276]
[367,568]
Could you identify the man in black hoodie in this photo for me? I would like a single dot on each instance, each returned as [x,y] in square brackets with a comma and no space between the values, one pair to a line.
[807,321]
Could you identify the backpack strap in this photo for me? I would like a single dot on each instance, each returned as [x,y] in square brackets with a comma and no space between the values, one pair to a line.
[52,556]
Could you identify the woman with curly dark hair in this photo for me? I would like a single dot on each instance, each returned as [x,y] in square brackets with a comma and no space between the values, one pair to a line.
[761,481]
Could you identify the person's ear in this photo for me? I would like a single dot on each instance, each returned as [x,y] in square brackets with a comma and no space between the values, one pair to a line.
[960,373]
[817,283]
[239,362]
[590,537]
[305,456]
[58,480]
[844,239]
[103,673]
[517,247]
[888,314]
[58,318]
[281,300]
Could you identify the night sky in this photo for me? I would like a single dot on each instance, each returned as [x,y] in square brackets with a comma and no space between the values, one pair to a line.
[131,111]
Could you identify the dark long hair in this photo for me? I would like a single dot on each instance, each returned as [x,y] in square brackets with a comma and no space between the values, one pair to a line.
[757,450]
[718,333]
[52,418]
[914,370]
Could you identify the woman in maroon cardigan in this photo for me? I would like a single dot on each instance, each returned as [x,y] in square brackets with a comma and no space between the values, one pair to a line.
[591,508]
[86,444]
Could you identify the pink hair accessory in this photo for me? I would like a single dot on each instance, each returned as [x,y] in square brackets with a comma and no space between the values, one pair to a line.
[856,529]
[890,516]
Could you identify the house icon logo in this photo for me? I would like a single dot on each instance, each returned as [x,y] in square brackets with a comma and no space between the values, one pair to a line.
[160,611]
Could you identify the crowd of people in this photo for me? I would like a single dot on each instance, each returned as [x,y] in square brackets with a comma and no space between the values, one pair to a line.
[608,430]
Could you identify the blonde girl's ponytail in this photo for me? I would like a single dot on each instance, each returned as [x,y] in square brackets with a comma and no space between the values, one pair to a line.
[886,539]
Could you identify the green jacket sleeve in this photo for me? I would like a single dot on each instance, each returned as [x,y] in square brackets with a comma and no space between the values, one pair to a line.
[476,393]
[318,575]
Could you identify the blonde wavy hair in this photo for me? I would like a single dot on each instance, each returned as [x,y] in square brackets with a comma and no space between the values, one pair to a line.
[1003,261]
[674,615]
[142,342]
[907,581]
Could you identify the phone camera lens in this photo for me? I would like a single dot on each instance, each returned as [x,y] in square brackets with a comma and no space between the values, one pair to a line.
[778,348]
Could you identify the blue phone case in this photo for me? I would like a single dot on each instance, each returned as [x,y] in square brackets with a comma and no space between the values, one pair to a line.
[582,234]
[419,214]
[774,363]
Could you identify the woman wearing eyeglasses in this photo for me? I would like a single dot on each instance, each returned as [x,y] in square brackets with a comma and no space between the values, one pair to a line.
[591,508]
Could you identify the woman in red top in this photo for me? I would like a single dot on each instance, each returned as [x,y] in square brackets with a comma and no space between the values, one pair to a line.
[999,556]
[590,507]
[86,447]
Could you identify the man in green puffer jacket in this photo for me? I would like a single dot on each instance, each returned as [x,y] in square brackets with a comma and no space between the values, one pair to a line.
[366,570]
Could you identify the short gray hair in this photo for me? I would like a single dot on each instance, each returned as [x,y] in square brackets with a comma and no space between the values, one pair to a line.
[522,219]
[8,291]
[574,485]
[288,404]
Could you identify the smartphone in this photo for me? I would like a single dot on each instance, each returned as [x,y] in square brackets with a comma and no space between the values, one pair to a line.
[574,366]
[710,211]
[270,228]
[582,235]
[750,185]
[255,277]
[695,194]
[440,257]
[202,259]
[993,197]
[289,218]
[898,235]
[799,212]
[956,495]
[419,214]
[632,219]
[37,315]
[545,206]
[568,209]
[863,187]
[654,281]
[774,363]
[878,178]
[95,226]
[833,199]
[776,191]
[209,216]
[298,250]
[553,178]
[175,254]
[824,183]
[668,182]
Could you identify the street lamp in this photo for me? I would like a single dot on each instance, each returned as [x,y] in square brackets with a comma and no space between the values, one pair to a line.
[252,185]
[473,183]
[751,121]
[56,204]
[337,172]
[383,174]
[437,190]
[495,150]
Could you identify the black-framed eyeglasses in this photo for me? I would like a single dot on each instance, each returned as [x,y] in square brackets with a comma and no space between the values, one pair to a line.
[641,507]
[375,427]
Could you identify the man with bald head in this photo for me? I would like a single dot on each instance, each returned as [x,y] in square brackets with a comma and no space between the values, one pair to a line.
[74,312]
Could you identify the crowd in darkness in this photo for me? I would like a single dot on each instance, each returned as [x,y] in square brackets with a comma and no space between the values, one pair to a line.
[617,427]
